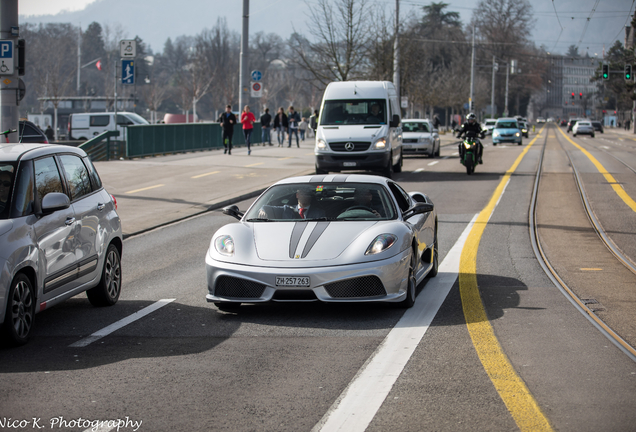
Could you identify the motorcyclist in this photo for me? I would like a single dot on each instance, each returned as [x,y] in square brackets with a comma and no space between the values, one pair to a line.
[471,129]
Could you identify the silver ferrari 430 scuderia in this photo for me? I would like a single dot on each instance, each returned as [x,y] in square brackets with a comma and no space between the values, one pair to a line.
[333,238]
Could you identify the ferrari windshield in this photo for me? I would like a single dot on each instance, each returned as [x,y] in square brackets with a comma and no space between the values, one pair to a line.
[354,111]
[326,202]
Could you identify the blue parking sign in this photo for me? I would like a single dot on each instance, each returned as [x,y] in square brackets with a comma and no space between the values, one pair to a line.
[6,57]
[127,71]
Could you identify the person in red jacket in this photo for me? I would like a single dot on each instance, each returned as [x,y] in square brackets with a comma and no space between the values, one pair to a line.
[248,119]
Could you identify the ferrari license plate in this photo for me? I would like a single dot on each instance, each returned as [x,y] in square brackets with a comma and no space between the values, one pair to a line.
[349,164]
[292,281]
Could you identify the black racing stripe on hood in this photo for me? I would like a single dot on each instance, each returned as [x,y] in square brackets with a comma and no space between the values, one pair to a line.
[317,178]
[340,178]
[314,236]
[297,232]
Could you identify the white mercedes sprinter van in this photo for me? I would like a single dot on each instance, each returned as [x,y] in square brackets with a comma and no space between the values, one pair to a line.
[359,128]
[84,126]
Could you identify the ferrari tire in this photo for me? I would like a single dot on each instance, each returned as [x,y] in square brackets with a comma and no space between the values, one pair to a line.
[435,269]
[411,287]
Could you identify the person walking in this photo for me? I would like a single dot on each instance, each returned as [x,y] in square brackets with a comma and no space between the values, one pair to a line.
[227,120]
[247,119]
[313,121]
[280,124]
[266,125]
[49,133]
[302,128]
[294,120]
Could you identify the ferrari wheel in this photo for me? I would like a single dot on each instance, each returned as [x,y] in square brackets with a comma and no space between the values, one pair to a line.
[409,300]
[435,267]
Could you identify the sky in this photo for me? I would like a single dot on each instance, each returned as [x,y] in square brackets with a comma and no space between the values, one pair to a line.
[559,23]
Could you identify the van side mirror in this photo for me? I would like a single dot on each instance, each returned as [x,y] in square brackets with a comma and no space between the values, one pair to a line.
[395,121]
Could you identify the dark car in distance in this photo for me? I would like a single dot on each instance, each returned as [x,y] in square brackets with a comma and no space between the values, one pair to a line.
[598,126]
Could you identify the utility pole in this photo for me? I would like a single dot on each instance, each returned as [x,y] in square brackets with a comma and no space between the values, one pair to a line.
[9,98]
[244,75]
[396,52]
[492,94]
[472,75]
[79,56]
[507,76]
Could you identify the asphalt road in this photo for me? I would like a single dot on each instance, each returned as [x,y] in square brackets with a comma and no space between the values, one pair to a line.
[283,367]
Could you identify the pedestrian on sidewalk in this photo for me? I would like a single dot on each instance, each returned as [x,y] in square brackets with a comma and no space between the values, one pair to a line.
[247,119]
[313,121]
[227,120]
[302,128]
[281,123]
[49,133]
[294,120]
[266,125]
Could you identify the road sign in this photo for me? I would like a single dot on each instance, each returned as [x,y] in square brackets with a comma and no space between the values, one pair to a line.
[404,102]
[257,75]
[6,57]
[128,48]
[127,71]
[256,90]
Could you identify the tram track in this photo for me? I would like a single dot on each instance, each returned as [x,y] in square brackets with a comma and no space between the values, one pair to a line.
[549,269]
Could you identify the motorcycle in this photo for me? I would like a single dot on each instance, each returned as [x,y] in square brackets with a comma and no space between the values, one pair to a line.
[469,156]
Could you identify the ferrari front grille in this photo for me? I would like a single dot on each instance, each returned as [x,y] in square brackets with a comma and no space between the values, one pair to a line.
[366,286]
[232,287]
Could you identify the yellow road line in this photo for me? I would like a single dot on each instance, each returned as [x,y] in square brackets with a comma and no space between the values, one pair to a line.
[513,391]
[259,163]
[610,179]
[591,269]
[206,174]
[290,157]
[144,189]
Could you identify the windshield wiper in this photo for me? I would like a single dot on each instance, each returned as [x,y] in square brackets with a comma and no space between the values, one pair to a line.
[259,220]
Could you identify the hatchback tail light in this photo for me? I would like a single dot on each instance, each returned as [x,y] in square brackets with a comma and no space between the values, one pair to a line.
[114,201]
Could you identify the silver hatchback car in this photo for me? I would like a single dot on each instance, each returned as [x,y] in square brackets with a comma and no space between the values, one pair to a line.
[60,234]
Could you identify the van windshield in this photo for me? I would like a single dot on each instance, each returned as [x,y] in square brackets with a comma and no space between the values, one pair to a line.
[354,111]
[136,118]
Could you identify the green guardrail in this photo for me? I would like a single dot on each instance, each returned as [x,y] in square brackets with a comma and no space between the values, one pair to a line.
[160,139]
[102,148]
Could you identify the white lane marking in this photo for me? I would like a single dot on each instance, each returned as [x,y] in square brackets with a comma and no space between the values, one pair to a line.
[433,163]
[355,408]
[419,170]
[102,428]
[121,323]
[455,154]
[605,147]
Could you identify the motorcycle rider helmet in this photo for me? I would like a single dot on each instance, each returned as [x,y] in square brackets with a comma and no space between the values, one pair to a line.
[472,118]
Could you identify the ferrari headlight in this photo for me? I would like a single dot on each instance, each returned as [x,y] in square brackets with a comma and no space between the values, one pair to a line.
[381,243]
[380,144]
[321,144]
[224,245]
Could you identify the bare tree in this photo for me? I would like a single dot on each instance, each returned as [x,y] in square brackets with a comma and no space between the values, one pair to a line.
[55,47]
[341,30]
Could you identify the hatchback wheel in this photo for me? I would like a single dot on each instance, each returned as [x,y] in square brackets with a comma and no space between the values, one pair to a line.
[18,320]
[106,293]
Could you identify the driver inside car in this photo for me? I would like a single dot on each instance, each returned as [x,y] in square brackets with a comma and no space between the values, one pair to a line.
[363,199]
[307,208]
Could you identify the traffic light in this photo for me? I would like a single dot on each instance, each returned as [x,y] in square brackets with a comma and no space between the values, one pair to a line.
[605,71]
[628,72]
[572,95]
[580,95]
